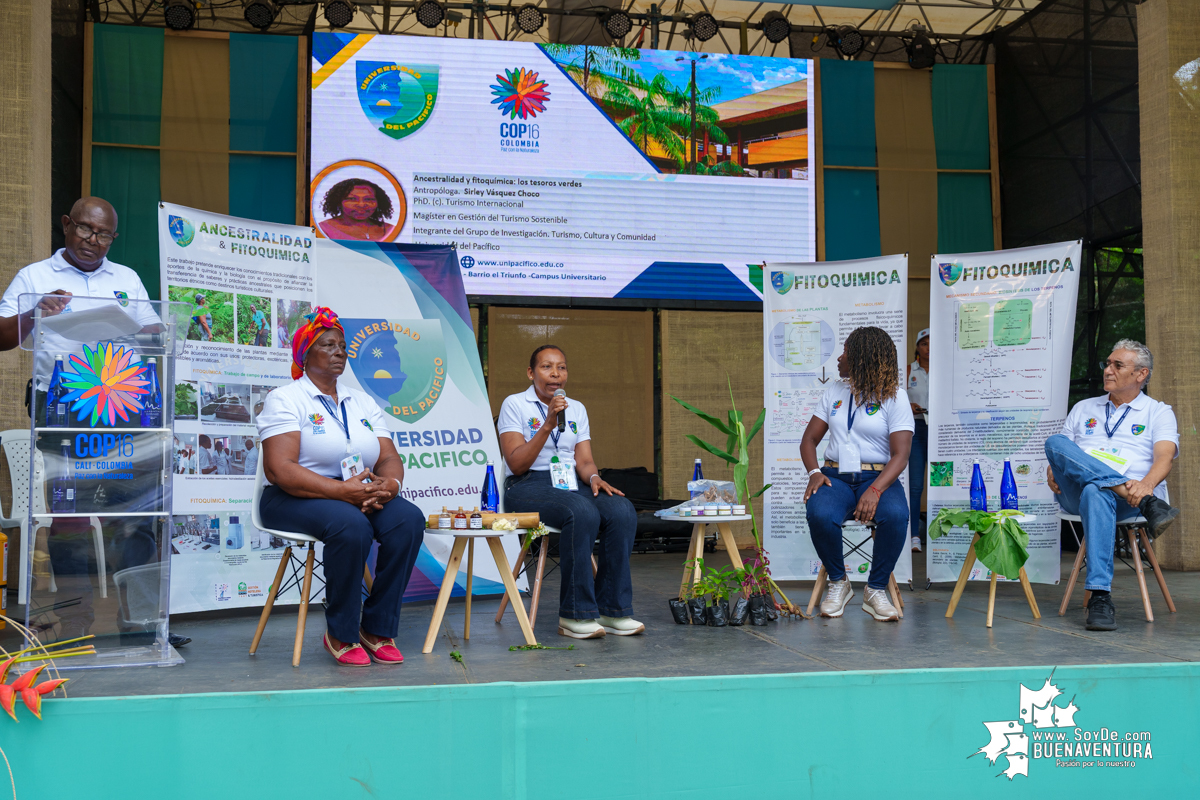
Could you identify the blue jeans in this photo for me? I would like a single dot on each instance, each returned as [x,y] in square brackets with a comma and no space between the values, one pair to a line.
[347,534]
[917,471]
[829,507]
[1085,482]
[581,518]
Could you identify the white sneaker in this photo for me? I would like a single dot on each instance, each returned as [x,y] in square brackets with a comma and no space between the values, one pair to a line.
[836,597]
[916,544]
[877,604]
[621,626]
[580,628]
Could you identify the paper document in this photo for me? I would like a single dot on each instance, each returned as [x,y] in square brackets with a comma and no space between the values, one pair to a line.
[93,325]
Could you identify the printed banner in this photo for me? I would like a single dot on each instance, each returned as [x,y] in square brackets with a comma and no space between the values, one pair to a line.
[566,170]
[412,348]
[1001,331]
[807,315]
[405,313]
[248,283]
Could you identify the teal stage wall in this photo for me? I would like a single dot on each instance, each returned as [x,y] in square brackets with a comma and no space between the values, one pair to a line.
[836,734]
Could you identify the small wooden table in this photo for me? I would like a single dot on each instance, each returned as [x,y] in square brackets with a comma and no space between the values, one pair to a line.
[691,574]
[465,540]
[965,573]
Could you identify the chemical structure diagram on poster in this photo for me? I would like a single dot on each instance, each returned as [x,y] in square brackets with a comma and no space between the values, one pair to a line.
[1002,353]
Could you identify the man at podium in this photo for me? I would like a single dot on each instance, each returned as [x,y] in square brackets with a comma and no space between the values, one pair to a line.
[79,270]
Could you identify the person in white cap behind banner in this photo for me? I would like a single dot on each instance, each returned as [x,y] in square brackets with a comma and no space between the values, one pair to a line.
[918,395]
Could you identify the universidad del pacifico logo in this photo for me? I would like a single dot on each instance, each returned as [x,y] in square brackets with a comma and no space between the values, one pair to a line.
[399,98]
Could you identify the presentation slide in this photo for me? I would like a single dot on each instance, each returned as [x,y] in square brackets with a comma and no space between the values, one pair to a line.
[565,170]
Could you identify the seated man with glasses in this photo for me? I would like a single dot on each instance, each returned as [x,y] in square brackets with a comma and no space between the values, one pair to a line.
[1109,463]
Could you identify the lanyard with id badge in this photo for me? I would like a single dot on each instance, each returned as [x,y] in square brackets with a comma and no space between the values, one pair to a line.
[1111,456]
[849,457]
[352,464]
[562,468]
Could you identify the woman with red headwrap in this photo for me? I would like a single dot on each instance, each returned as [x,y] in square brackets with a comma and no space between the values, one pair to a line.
[334,474]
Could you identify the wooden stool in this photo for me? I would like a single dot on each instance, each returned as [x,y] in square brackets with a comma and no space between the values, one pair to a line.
[302,576]
[691,572]
[1135,532]
[965,573]
[535,590]
[823,577]
[462,541]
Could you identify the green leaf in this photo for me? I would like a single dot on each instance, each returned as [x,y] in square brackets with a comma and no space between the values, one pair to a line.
[760,491]
[734,418]
[703,445]
[757,426]
[709,418]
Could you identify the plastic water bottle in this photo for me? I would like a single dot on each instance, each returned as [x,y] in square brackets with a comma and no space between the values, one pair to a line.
[978,490]
[56,409]
[1008,488]
[697,475]
[151,416]
[62,487]
[489,499]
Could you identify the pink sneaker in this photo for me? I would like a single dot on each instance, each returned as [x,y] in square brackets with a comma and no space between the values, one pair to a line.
[352,655]
[383,652]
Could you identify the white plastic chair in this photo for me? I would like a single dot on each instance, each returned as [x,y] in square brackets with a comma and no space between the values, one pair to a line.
[15,444]
[302,539]
[1135,533]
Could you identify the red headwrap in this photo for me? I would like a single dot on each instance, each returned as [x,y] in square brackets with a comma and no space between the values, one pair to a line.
[321,319]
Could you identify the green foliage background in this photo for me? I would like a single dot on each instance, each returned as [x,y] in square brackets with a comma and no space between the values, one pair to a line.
[292,313]
[220,305]
[245,317]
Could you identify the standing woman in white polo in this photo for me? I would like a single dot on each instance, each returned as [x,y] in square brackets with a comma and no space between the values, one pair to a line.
[870,423]
[308,429]
[529,439]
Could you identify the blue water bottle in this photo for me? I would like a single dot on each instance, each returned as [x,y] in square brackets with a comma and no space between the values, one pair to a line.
[978,490]
[56,409]
[697,475]
[489,499]
[1008,488]
[151,416]
[62,486]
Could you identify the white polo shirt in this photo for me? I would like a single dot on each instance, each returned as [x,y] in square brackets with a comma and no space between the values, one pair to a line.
[1134,434]
[918,385]
[109,280]
[873,423]
[298,407]
[524,413]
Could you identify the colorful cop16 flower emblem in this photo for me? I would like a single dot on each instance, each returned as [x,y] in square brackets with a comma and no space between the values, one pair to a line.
[105,384]
[519,93]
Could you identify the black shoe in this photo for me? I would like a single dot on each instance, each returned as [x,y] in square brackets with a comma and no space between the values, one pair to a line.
[1158,514]
[1101,613]
[178,641]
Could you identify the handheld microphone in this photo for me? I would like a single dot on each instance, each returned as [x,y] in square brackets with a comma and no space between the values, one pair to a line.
[562,415]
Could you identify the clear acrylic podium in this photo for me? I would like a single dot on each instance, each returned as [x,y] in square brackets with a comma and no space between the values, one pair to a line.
[97,556]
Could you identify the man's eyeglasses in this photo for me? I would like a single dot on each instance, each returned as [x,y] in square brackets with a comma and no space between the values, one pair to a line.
[1116,365]
[87,232]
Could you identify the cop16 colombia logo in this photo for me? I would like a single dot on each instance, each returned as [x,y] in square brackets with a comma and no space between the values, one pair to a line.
[519,93]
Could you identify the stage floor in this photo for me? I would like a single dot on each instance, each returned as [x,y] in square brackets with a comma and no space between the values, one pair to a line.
[217,659]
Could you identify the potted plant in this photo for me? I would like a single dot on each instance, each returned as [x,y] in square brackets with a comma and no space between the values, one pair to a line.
[715,587]
[695,598]
[679,606]
[737,453]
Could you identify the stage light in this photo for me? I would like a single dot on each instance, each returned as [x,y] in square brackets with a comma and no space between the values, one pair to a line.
[921,52]
[180,15]
[617,24]
[259,13]
[430,13]
[339,13]
[848,41]
[530,18]
[775,27]
[704,26]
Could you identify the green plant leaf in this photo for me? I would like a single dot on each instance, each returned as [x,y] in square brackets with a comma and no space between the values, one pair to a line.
[709,418]
[757,426]
[716,451]
[760,491]
[734,418]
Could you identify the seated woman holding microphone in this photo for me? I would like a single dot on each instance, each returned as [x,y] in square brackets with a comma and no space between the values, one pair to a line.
[542,456]
[870,422]
[334,474]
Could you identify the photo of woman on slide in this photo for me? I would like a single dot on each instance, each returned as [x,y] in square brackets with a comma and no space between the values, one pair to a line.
[356,209]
